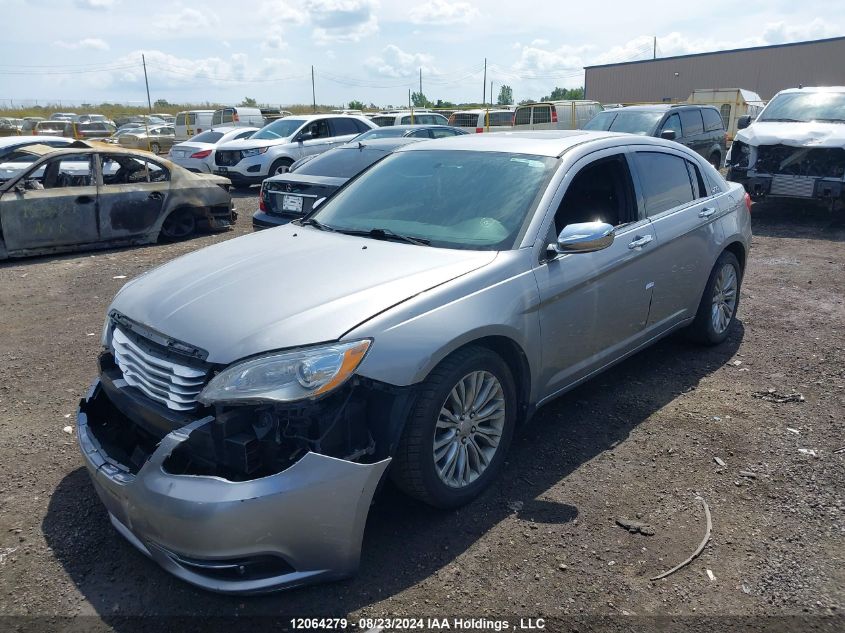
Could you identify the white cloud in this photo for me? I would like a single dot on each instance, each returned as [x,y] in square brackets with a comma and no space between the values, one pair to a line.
[342,20]
[283,12]
[96,5]
[187,18]
[781,32]
[443,12]
[394,62]
[91,43]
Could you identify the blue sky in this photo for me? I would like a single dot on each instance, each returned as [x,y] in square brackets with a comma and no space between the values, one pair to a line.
[370,50]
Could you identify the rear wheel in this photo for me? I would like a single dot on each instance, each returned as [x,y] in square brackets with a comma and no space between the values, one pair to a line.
[178,225]
[455,440]
[719,303]
[155,148]
[281,166]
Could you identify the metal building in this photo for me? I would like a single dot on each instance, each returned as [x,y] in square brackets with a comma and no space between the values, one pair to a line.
[763,69]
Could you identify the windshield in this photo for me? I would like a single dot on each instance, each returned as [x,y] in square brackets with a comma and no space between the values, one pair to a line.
[343,162]
[806,106]
[633,122]
[452,199]
[282,128]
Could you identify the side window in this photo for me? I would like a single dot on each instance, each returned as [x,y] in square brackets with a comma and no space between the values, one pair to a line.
[439,132]
[542,114]
[699,190]
[420,134]
[228,116]
[691,122]
[406,120]
[600,191]
[167,131]
[673,123]
[501,119]
[127,170]
[66,171]
[665,181]
[712,120]
[725,111]
[522,116]
[244,135]
[360,125]
[343,127]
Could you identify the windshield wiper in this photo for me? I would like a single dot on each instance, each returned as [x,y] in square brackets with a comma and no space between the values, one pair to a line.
[387,234]
[782,120]
[315,223]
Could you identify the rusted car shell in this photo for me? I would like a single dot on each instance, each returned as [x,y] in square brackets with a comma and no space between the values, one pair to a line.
[63,219]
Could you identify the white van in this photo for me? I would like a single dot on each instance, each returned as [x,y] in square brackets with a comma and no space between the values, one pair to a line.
[238,117]
[192,122]
[483,120]
[555,115]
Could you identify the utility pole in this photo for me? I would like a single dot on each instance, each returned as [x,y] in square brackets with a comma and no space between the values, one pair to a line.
[491,93]
[420,80]
[313,91]
[409,98]
[484,96]
[654,54]
[147,82]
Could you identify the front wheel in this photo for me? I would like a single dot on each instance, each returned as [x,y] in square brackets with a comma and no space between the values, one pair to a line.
[719,303]
[716,160]
[456,437]
[280,167]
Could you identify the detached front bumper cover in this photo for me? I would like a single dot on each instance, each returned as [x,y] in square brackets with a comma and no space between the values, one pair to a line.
[300,526]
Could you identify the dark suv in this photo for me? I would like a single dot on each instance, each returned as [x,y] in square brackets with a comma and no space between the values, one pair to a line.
[698,127]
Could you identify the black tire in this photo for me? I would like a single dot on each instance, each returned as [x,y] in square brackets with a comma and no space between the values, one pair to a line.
[716,160]
[179,225]
[703,329]
[155,148]
[413,469]
[277,165]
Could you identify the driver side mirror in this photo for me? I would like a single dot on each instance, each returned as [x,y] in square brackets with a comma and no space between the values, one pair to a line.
[583,237]
[305,136]
[743,122]
[669,135]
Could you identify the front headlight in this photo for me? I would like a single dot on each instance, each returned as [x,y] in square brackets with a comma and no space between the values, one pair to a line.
[286,377]
[105,336]
[246,153]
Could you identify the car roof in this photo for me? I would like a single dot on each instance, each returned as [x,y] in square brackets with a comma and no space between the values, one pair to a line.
[386,143]
[419,126]
[480,110]
[14,141]
[664,107]
[814,89]
[82,147]
[552,143]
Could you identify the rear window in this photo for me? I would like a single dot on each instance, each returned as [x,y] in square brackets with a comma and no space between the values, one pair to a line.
[384,121]
[180,119]
[631,122]
[341,163]
[208,137]
[501,118]
[712,119]
[464,119]
[522,116]
[542,114]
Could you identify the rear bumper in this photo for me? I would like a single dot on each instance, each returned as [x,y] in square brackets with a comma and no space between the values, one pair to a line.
[302,525]
[238,179]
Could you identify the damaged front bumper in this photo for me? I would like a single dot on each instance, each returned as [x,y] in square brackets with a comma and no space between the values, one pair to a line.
[299,526]
[760,185]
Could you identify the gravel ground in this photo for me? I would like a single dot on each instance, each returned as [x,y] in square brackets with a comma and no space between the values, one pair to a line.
[641,441]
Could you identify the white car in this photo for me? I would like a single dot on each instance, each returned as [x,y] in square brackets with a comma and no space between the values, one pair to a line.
[483,120]
[417,117]
[275,147]
[13,161]
[197,153]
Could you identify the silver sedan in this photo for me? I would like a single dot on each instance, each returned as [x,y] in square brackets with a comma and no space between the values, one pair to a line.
[253,394]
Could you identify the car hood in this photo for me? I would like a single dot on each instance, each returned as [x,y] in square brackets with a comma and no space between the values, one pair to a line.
[811,134]
[284,287]
[249,143]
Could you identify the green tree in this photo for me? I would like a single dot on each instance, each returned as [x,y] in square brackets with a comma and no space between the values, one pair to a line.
[355,105]
[505,96]
[161,103]
[249,102]
[419,100]
[564,94]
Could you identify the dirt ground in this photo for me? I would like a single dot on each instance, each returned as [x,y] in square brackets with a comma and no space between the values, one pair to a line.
[643,440]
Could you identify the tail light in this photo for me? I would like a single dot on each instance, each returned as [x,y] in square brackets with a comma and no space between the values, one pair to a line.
[451,119]
[201,154]
[261,205]
[554,114]
[235,117]
[479,130]
[748,202]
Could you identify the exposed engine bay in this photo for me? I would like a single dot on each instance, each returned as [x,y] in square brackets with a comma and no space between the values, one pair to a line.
[800,161]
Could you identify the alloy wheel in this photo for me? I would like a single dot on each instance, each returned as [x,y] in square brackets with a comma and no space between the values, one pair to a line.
[724,298]
[469,429]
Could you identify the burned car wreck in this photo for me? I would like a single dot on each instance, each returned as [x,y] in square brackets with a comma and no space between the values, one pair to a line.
[795,148]
[87,195]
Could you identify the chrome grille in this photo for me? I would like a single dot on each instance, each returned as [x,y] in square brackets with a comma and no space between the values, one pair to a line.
[174,385]
[795,186]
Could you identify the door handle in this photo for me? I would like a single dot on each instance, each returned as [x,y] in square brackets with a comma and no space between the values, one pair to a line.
[640,241]
[84,200]
[156,195]
[706,212]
